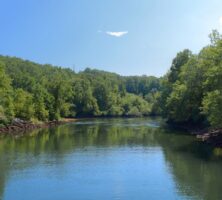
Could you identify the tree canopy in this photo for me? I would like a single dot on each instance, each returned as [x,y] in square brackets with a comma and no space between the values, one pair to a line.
[31,91]
[192,90]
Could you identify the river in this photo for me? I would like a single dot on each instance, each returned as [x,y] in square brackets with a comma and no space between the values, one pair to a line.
[108,159]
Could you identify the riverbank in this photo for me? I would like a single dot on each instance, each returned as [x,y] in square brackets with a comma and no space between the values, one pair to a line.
[203,133]
[211,137]
[19,125]
[206,135]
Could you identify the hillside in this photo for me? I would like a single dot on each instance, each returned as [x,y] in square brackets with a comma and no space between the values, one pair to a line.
[32,91]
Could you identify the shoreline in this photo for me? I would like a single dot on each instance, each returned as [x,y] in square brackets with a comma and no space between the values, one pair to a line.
[19,125]
[202,133]
[22,126]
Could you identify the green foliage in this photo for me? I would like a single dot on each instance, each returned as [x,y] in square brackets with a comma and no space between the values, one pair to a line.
[192,90]
[32,91]
[181,59]
[85,103]
[23,104]
[115,110]
[102,94]
[135,106]
[141,85]
[215,37]
[212,106]
[40,97]
[3,117]
[6,104]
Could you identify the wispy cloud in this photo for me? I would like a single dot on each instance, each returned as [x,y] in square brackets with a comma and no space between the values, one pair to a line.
[117,34]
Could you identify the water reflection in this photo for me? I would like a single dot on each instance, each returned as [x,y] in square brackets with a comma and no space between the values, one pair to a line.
[194,168]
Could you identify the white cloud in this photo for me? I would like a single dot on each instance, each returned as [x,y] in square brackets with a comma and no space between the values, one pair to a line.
[117,34]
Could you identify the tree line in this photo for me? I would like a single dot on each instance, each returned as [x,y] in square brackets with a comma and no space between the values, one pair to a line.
[190,92]
[35,92]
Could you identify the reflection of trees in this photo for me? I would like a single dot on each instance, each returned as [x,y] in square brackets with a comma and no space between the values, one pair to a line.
[194,175]
[19,152]
[195,168]
[3,175]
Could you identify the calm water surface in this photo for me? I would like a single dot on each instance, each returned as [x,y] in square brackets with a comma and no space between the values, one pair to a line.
[108,159]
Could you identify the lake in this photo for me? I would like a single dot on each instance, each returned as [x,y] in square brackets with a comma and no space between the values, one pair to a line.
[108,159]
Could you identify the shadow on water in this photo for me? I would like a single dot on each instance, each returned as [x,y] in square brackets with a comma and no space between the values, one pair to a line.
[196,168]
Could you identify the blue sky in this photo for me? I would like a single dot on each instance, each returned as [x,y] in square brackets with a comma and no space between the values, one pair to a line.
[129,37]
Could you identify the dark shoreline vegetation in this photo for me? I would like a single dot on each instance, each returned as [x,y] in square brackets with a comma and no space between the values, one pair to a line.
[18,126]
[189,95]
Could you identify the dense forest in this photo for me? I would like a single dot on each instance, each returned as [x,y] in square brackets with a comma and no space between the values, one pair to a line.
[37,92]
[191,92]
